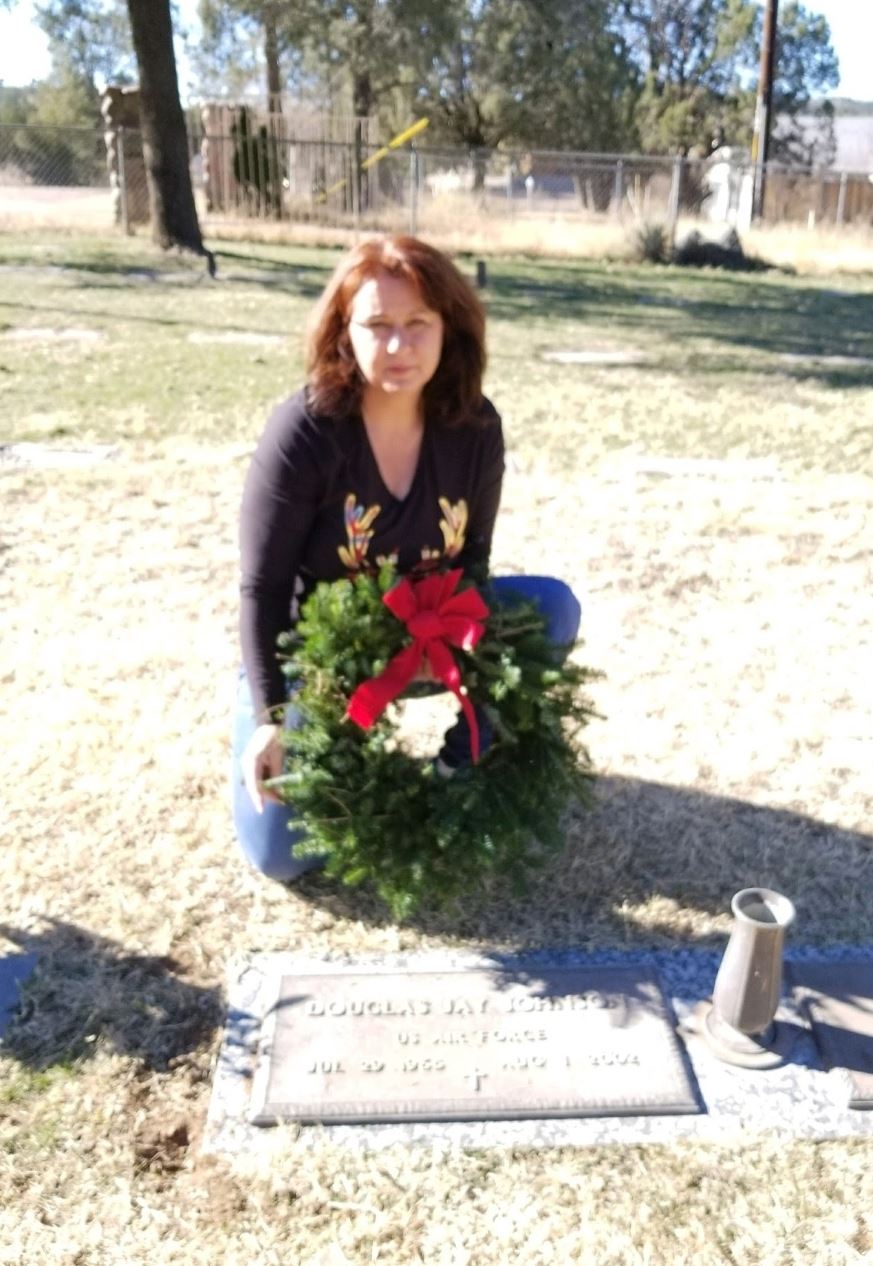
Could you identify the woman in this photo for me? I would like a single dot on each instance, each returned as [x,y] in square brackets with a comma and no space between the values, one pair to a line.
[390,450]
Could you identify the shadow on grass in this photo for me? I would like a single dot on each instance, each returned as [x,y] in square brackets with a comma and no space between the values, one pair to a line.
[654,865]
[113,267]
[767,314]
[685,306]
[135,318]
[304,282]
[837,379]
[298,282]
[86,989]
[305,279]
[732,363]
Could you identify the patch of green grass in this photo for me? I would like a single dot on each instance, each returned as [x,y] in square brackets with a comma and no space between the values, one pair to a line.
[123,351]
[20,1083]
[139,346]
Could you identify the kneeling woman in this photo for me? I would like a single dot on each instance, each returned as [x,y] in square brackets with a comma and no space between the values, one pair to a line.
[390,450]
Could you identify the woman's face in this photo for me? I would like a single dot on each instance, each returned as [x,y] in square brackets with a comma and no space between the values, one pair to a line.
[397,340]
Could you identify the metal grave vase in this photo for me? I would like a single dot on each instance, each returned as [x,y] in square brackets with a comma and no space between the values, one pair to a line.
[749,982]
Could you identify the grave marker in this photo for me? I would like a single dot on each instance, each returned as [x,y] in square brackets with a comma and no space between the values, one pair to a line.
[349,1046]
[838,998]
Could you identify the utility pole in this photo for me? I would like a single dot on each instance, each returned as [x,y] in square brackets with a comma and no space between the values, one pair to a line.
[763,106]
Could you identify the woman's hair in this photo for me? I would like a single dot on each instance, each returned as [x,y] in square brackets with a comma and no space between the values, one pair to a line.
[454,393]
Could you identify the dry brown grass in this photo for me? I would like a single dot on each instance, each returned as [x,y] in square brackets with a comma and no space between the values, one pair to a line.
[458,223]
[37,207]
[727,761]
[733,616]
[812,252]
[820,250]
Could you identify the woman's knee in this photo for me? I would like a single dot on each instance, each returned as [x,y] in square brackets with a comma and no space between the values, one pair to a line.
[555,599]
[267,840]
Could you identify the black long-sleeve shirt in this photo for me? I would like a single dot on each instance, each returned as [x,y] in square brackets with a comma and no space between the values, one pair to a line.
[316,508]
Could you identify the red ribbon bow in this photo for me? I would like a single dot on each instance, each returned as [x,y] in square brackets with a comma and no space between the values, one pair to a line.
[436,617]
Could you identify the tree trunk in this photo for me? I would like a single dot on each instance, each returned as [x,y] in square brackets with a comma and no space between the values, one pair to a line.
[165,141]
[362,94]
[362,108]
[276,148]
[271,57]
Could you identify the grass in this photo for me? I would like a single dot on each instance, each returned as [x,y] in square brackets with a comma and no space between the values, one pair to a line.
[458,223]
[729,606]
[731,344]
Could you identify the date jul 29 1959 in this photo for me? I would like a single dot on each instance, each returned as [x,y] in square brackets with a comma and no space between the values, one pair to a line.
[517,1063]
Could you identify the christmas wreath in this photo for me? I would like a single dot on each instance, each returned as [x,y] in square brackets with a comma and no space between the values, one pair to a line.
[379,812]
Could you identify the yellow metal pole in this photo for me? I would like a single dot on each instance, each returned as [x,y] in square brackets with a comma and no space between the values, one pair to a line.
[401,138]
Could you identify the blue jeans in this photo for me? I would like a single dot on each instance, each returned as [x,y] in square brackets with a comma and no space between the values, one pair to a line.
[266,839]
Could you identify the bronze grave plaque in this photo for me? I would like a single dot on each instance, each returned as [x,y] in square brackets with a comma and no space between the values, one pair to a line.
[351,1046]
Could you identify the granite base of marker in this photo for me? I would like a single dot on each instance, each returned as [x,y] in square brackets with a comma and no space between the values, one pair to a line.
[800,1099]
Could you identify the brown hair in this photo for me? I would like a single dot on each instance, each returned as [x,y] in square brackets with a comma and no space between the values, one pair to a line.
[454,394]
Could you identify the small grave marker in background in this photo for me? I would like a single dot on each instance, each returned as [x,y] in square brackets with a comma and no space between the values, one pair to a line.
[593,356]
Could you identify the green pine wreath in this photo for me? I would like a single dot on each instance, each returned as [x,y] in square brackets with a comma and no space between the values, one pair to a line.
[382,814]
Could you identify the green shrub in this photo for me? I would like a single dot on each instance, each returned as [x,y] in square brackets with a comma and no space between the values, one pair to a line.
[652,244]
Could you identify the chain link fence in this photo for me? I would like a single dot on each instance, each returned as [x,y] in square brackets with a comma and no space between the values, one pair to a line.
[76,176]
[53,175]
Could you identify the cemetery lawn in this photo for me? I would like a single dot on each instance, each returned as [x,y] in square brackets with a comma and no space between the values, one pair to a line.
[700,468]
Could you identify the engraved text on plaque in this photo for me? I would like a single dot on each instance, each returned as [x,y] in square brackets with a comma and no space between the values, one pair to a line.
[354,1046]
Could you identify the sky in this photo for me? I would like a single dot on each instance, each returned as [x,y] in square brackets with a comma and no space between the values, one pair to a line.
[24,55]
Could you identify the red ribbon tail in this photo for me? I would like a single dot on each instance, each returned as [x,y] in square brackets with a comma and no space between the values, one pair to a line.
[473,724]
[372,697]
[443,664]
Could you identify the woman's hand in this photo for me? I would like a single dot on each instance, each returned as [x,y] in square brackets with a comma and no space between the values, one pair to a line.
[263,758]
